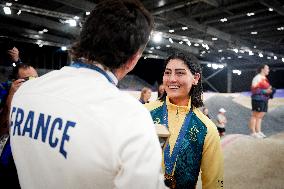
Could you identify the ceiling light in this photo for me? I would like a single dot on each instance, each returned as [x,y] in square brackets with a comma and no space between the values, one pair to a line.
[88,13]
[184,28]
[171,40]
[253,33]
[7,10]
[250,14]
[254,46]
[223,20]
[168,46]
[63,48]
[171,31]
[280,28]
[229,58]
[196,44]
[214,38]
[215,66]
[239,72]
[45,30]
[14,64]
[40,32]
[71,22]
[275,57]
[38,41]
[282,59]
[157,37]
[270,9]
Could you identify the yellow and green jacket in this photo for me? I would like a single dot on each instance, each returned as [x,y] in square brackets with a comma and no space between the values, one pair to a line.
[200,147]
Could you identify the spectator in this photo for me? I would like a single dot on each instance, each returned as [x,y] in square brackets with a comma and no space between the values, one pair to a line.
[221,122]
[261,91]
[145,95]
[205,111]
[8,172]
[161,91]
[86,132]
[194,143]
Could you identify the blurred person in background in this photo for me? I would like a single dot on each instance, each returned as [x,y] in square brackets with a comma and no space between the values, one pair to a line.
[221,122]
[205,111]
[8,173]
[194,143]
[145,95]
[161,91]
[261,92]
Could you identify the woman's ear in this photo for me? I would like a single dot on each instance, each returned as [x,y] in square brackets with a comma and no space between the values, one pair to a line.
[196,78]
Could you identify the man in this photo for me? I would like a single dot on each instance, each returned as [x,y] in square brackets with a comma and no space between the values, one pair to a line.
[8,172]
[73,128]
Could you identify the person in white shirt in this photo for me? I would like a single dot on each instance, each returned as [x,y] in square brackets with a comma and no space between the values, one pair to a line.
[73,128]
[221,122]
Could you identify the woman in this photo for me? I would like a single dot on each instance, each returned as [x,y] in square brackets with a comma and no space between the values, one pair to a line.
[194,142]
[205,111]
[261,92]
[145,95]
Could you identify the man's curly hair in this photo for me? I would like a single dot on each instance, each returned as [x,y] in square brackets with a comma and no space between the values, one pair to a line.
[113,32]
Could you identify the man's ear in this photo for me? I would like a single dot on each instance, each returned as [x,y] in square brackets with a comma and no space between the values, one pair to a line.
[132,61]
[128,66]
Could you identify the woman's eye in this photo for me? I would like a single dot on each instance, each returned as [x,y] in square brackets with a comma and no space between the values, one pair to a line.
[167,73]
[180,73]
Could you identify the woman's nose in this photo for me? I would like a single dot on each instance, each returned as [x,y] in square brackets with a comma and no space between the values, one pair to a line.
[172,77]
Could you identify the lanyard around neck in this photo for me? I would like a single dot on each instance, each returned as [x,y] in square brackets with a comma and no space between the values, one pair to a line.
[170,159]
[78,64]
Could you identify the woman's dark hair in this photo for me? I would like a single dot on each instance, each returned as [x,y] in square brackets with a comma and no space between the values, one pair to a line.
[259,68]
[113,32]
[193,65]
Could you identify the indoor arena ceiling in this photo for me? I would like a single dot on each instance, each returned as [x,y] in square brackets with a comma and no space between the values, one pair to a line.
[231,32]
